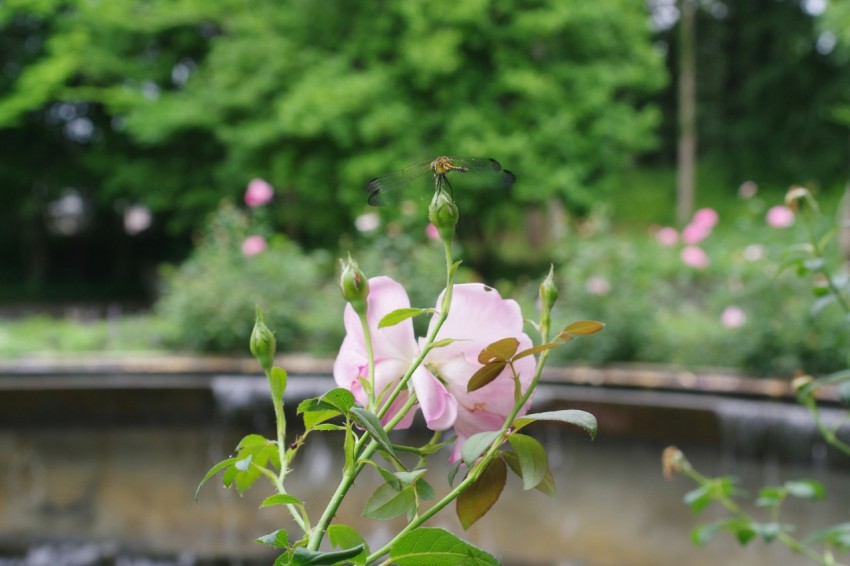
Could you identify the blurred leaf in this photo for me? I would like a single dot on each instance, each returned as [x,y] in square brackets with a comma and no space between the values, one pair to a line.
[837,536]
[699,498]
[805,489]
[437,547]
[482,494]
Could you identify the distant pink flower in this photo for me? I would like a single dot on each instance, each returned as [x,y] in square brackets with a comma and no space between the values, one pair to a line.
[597,286]
[779,217]
[258,193]
[733,317]
[253,245]
[667,237]
[695,257]
[706,217]
[695,233]
[431,232]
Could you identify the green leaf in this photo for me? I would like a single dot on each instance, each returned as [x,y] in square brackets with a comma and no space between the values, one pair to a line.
[339,398]
[277,383]
[699,498]
[485,375]
[277,539]
[837,536]
[770,497]
[535,350]
[252,440]
[213,471]
[305,557]
[424,490]
[280,499]
[482,494]
[805,489]
[344,537]
[400,315]
[547,486]
[388,503]
[410,478]
[437,547]
[443,343]
[373,426]
[500,350]
[581,419]
[476,444]
[768,531]
[743,530]
[532,459]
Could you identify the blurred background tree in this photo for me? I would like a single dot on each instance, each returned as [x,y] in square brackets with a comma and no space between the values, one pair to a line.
[176,104]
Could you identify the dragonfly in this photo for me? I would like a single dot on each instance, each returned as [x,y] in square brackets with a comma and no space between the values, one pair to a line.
[480,172]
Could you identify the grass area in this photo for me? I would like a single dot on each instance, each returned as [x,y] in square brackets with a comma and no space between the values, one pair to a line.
[42,333]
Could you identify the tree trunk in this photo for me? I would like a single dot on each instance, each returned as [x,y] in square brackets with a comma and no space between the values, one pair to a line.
[687,149]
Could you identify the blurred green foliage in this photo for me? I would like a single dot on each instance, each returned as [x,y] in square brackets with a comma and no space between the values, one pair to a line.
[176,104]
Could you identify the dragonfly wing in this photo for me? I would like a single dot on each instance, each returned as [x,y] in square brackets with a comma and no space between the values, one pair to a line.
[393,187]
[482,173]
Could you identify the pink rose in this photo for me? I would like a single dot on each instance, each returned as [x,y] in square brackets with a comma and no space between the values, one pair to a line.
[478,317]
[431,232]
[258,193]
[253,245]
[667,237]
[706,217]
[779,217]
[695,257]
[695,233]
[733,317]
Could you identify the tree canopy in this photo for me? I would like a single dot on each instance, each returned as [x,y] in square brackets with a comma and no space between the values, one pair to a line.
[176,103]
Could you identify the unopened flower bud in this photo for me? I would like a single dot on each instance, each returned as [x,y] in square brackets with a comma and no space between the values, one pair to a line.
[443,214]
[354,285]
[263,344]
[548,291]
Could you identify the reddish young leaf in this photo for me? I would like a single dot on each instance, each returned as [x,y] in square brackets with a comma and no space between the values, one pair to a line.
[500,350]
[584,327]
[474,503]
[485,375]
[534,350]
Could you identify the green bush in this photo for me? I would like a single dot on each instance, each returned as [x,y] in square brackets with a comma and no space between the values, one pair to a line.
[657,309]
[210,299]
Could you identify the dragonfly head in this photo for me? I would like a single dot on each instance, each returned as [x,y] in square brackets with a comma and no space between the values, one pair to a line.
[443,165]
